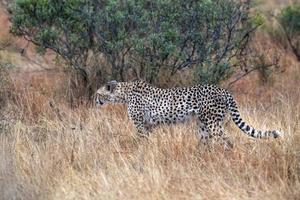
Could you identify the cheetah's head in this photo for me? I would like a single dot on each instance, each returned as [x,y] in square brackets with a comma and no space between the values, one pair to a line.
[111,92]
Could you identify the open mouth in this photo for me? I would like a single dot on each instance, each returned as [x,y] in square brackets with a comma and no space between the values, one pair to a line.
[98,101]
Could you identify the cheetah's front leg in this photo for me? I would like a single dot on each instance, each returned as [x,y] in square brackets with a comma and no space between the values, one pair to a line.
[139,123]
[141,128]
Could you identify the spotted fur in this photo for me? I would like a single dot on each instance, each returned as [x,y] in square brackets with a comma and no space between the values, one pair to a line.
[149,106]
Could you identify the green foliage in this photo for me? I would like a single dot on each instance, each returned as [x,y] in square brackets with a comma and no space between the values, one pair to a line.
[58,25]
[258,19]
[149,35]
[209,72]
[290,22]
[290,19]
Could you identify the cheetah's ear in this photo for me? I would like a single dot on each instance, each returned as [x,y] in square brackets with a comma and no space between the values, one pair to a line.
[111,85]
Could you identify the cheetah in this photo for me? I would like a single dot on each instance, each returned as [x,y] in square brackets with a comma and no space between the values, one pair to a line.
[149,106]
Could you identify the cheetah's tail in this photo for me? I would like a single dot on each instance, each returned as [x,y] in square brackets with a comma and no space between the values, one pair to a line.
[249,130]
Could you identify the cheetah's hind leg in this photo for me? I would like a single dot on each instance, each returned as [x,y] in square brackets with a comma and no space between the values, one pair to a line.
[203,133]
[221,137]
[212,132]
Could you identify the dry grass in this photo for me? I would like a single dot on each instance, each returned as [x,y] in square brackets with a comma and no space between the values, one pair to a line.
[93,153]
[54,152]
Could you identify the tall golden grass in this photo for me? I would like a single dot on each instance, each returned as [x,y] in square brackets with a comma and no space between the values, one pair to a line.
[50,151]
[54,152]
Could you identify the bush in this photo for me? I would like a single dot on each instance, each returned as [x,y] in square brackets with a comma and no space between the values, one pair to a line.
[290,22]
[142,36]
